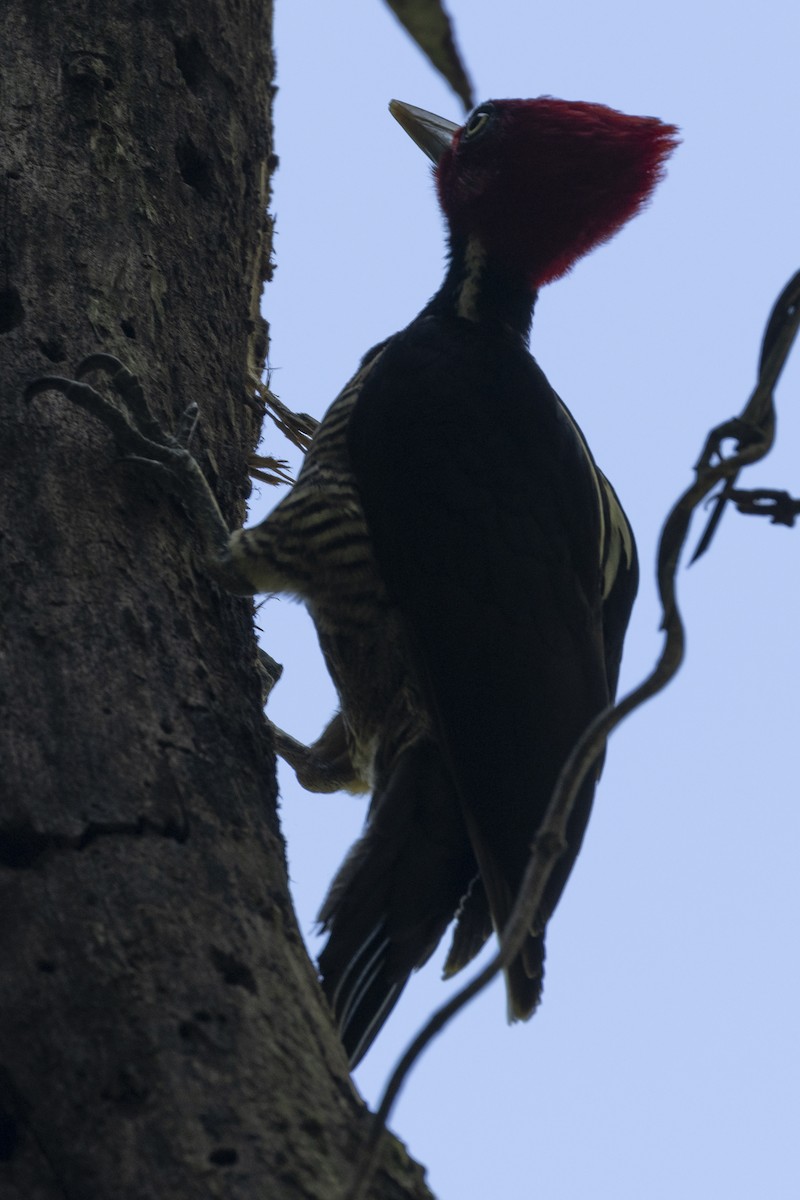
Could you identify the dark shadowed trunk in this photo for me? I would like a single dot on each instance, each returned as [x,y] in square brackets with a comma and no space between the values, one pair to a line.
[161,1030]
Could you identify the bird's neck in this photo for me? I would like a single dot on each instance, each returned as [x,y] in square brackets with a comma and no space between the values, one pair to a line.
[478,289]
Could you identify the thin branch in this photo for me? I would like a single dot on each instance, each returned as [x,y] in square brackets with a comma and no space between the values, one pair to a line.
[754,432]
[755,428]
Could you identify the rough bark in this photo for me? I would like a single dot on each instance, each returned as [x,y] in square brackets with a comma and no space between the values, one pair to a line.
[161,1029]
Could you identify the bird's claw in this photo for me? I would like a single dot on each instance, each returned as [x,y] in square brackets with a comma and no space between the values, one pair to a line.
[137,434]
[141,440]
[125,384]
[326,765]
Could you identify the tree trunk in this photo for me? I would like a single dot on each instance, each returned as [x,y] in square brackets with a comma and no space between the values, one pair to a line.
[162,1033]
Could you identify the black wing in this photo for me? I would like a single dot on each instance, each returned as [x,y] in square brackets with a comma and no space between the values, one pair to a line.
[487,520]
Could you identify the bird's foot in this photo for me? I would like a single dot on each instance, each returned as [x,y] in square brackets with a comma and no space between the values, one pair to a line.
[326,765]
[142,441]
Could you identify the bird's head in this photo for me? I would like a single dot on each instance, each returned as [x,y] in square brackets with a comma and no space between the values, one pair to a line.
[541,182]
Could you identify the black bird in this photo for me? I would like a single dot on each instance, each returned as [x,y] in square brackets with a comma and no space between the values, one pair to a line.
[468,566]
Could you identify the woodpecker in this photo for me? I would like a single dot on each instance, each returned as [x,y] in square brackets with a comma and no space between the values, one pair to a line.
[469,568]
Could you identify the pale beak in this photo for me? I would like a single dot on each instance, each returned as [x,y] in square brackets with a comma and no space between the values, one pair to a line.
[432,134]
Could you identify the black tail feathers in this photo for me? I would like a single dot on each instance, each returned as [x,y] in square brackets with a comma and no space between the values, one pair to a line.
[363,994]
[411,872]
[395,894]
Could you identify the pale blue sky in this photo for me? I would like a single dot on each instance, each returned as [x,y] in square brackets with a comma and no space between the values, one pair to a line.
[665,1059]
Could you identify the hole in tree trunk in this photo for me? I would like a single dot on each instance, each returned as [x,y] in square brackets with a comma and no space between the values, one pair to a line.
[12,313]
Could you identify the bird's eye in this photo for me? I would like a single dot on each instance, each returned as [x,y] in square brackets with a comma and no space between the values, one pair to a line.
[477,123]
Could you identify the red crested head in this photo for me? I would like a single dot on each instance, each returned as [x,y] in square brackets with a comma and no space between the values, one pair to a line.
[542,182]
